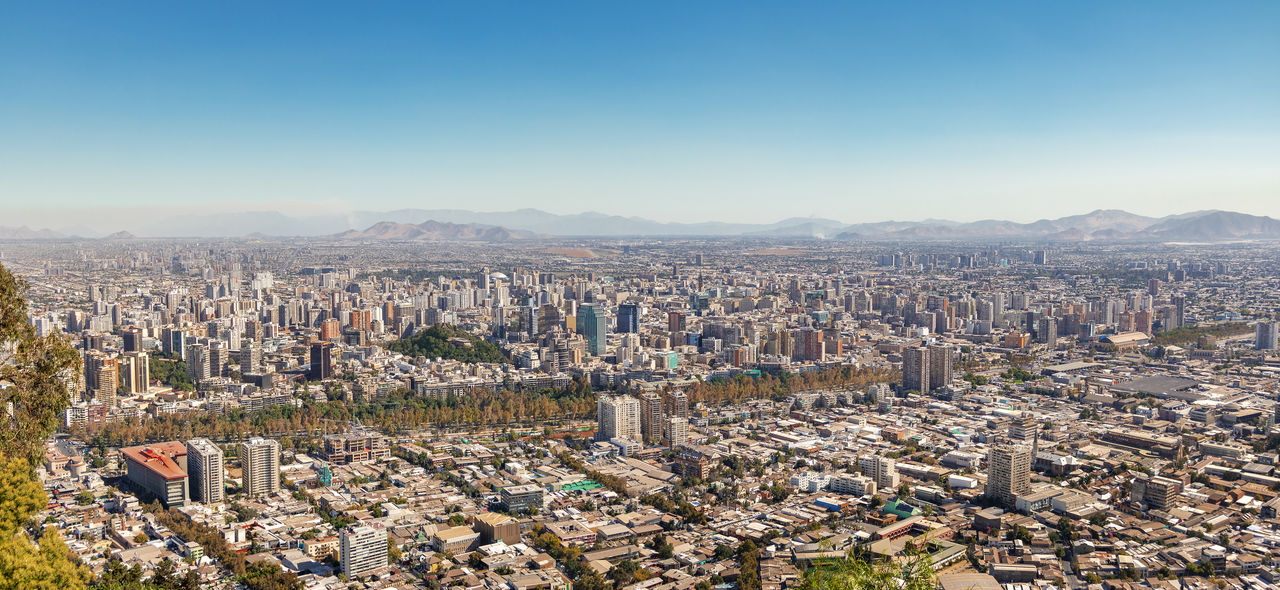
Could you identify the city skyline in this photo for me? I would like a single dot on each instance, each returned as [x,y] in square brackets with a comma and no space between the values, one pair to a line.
[717,112]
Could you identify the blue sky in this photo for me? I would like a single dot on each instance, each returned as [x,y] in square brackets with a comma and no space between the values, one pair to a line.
[671,110]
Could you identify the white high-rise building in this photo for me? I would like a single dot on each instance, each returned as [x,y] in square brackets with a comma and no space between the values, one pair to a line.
[1265,335]
[677,431]
[260,464]
[1008,473]
[618,417]
[881,469]
[205,471]
[362,550]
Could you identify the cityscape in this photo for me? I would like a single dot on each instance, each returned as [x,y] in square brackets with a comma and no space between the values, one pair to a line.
[720,296]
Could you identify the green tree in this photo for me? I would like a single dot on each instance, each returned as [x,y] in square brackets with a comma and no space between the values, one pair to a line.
[852,573]
[34,372]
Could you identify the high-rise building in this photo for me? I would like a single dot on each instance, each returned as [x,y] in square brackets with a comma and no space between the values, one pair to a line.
[1265,335]
[1041,257]
[628,318]
[132,339]
[321,361]
[618,417]
[1153,287]
[1179,310]
[1156,491]
[677,431]
[104,373]
[881,469]
[1023,428]
[250,357]
[915,369]
[362,550]
[1047,331]
[651,415]
[330,329]
[593,325]
[676,321]
[1008,473]
[205,471]
[260,466]
[137,372]
[198,366]
[941,365]
[676,403]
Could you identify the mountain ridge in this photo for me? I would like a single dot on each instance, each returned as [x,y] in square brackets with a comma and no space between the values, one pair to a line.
[524,224]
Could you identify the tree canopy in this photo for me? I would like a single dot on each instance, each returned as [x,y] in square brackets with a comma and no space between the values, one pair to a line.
[445,341]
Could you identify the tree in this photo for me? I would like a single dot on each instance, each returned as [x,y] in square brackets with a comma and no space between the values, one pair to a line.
[26,562]
[34,372]
[84,498]
[851,573]
[33,390]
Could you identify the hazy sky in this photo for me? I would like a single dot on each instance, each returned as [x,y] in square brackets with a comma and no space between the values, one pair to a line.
[731,111]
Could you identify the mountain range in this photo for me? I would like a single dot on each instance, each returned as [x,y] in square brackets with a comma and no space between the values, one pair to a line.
[526,224]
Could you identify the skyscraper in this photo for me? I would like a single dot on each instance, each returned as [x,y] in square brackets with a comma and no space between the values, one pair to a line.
[915,369]
[205,471]
[1265,335]
[137,372]
[321,361]
[941,365]
[362,549]
[677,431]
[882,469]
[1008,473]
[132,339]
[593,325]
[651,415]
[676,403]
[628,318]
[250,357]
[260,465]
[618,417]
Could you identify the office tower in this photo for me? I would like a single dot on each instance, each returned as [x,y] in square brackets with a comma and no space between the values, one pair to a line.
[618,417]
[250,357]
[1008,473]
[1179,310]
[362,550]
[1047,331]
[260,465]
[137,372]
[651,415]
[205,471]
[676,321]
[321,361]
[941,365]
[174,343]
[881,469]
[915,369]
[677,432]
[628,318]
[1041,257]
[593,325]
[132,339]
[1265,335]
[198,365]
[1153,287]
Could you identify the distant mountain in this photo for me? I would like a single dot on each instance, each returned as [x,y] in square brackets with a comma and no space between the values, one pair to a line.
[1212,226]
[459,224]
[26,233]
[121,235]
[433,230]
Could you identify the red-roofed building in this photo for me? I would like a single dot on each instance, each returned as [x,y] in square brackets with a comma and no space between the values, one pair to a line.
[159,471]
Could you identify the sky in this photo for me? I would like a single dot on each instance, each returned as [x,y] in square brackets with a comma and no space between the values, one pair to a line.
[698,111]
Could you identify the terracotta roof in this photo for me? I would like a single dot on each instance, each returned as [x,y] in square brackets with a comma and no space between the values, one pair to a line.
[159,458]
